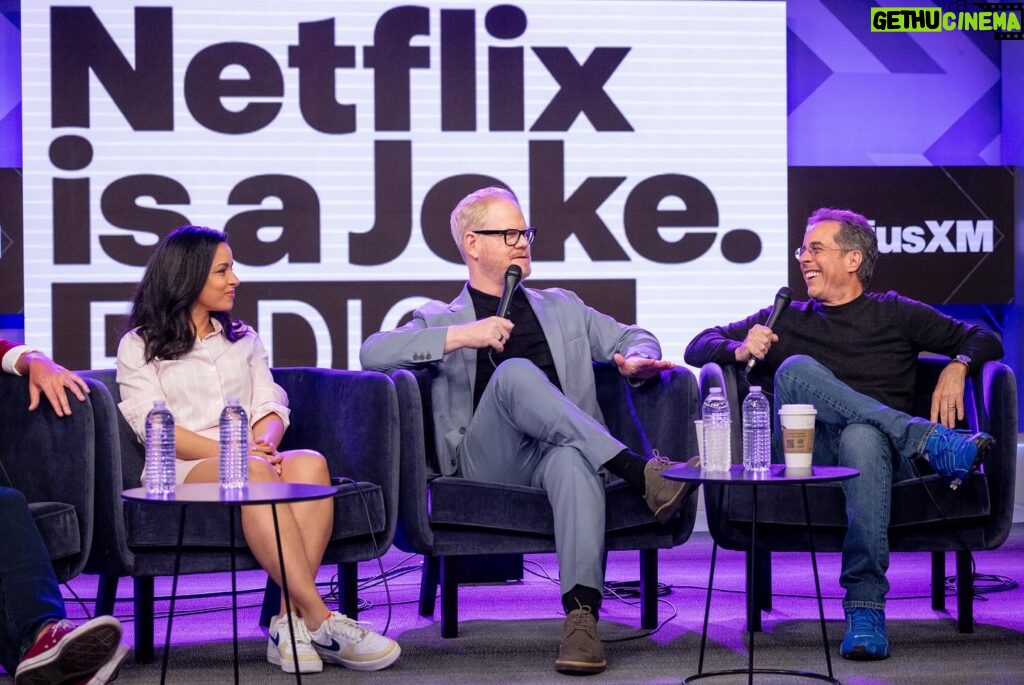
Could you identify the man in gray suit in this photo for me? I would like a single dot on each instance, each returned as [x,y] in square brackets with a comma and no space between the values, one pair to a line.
[525,412]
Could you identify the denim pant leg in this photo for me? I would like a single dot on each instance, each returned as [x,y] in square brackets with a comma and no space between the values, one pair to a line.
[29,595]
[855,431]
[868,509]
[802,380]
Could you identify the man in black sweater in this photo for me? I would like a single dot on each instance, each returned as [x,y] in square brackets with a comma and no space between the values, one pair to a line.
[853,355]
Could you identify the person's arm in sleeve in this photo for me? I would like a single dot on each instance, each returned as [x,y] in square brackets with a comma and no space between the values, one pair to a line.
[935,332]
[139,386]
[270,412]
[728,344]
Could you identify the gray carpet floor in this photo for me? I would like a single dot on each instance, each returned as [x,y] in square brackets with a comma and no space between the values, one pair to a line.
[509,632]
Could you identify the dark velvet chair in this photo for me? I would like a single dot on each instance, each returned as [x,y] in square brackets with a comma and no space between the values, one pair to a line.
[351,417]
[51,460]
[449,518]
[926,515]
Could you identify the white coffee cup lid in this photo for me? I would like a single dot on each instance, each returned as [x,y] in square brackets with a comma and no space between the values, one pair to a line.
[798,409]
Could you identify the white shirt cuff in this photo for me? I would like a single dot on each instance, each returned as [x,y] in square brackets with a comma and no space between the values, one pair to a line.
[12,356]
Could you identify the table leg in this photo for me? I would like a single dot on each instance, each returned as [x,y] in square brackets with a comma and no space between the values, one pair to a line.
[750,590]
[234,590]
[284,591]
[174,592]
[707,608]
[817,583]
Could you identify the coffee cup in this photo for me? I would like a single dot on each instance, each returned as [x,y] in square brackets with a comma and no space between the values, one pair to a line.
[798,434]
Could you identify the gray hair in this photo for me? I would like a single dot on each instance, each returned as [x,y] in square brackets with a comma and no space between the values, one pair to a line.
[855,233]
[469,213]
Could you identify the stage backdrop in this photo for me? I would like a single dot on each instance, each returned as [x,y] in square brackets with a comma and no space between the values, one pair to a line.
[646,141]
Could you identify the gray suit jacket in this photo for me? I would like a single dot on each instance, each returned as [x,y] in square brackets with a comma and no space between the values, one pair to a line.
[576,334]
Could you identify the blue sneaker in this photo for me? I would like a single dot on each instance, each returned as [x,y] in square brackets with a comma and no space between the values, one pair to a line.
[866,638]
[956,455]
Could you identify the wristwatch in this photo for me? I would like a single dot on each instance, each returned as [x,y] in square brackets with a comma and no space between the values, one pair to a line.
[963,359]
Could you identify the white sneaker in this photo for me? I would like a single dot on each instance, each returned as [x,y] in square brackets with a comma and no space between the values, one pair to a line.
[279,646]
[341,640]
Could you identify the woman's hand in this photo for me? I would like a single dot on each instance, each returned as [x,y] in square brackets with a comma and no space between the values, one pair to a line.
[265,449]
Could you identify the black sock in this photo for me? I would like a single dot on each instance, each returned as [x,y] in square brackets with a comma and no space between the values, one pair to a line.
[629,466]
[582,596]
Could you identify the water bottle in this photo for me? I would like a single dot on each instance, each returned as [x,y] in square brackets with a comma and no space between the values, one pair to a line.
[160,453]
[757,432]
[234,446]
[717,426]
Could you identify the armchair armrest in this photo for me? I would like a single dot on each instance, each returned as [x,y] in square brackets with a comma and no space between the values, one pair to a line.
[657,414]
[414,532]
[728,378]
[351,417]
[995,401]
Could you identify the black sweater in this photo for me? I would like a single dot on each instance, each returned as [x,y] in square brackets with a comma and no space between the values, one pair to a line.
[871,343]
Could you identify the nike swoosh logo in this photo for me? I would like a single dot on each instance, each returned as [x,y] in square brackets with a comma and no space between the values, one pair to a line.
[334,646]
[276,639]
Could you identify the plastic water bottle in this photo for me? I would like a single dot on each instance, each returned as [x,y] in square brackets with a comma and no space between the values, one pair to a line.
[234,446]
[757,431]
[160,452]
[717,427]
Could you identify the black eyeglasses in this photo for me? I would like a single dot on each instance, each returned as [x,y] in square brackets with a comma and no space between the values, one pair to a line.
[511,235]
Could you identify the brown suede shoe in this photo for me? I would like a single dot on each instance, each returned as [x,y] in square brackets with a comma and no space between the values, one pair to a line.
[664,496]
[581,650]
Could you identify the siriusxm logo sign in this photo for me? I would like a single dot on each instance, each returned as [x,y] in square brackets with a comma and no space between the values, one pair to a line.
[950,235]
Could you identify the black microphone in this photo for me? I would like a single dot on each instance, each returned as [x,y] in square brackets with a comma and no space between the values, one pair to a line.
[782,300]
[513,274]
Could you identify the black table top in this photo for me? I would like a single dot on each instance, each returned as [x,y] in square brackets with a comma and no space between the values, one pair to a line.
[253,493]
[777,474]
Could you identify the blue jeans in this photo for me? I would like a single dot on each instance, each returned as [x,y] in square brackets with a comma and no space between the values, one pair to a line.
[857,431]
[29,595]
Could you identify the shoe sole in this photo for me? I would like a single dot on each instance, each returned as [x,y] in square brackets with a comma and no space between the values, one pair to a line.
[377,664]
[306,665]
[581,666]
[861,654]
[82,653]
[667,510]
[983,445]
[110,669]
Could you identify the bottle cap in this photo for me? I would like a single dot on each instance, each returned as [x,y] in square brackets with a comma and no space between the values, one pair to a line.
[233,401]
[755,388]
[159,404]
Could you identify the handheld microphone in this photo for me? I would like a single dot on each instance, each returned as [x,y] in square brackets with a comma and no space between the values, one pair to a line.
[782,300]
[513,274]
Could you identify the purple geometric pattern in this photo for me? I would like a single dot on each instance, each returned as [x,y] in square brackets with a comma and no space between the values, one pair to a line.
[10,91]
[892,99]
[804,71]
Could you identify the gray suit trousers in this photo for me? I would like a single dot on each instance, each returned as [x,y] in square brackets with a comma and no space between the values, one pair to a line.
[526,432]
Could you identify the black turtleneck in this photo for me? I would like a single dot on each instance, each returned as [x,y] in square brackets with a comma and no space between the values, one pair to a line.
[527,340]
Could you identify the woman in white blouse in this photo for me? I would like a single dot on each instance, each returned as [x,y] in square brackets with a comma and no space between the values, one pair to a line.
[183,348]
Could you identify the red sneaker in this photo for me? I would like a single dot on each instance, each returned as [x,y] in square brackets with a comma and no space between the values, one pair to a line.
[66,654]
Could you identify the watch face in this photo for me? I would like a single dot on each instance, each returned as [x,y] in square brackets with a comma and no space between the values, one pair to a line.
[963,359]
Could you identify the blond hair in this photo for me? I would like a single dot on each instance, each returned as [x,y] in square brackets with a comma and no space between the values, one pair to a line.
[469,213]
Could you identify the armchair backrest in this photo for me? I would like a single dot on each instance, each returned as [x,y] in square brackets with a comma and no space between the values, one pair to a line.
[50,459]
